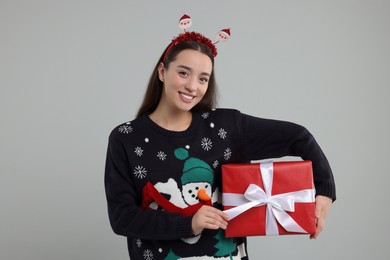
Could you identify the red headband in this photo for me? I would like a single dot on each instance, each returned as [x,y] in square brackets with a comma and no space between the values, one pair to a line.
[184,23]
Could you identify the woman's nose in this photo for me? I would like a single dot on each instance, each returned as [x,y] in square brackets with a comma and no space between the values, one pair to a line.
[191,85]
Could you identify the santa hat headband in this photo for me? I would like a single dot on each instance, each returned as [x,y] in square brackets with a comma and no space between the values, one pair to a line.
[184,23]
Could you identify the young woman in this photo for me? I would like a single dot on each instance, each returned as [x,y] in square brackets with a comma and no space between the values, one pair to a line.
[176,145]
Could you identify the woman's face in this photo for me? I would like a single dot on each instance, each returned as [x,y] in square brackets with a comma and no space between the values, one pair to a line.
[185,80]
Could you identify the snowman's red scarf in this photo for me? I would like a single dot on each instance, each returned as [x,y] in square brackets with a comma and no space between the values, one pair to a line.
[150,194]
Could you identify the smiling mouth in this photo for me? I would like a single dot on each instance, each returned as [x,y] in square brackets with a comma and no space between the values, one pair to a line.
[188,97]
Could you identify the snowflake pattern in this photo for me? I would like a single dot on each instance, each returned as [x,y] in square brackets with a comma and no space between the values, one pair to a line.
[205,115]
[222,133]
[161,155]
[206,143]
[140,172]
[139,242]
[126,128]
[215,164]
[148,254]
[227,154]
[138,151]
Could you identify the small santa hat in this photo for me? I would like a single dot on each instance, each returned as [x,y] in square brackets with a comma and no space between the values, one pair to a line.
[226,31]
[185,16]
[194,170]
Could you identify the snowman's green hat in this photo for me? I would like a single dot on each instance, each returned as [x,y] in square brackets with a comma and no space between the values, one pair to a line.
[194,170]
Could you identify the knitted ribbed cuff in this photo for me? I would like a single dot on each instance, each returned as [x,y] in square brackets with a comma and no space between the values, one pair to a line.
[184,227]
[327,189]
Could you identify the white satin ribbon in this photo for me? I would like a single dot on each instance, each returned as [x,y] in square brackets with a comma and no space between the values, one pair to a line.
[277,205]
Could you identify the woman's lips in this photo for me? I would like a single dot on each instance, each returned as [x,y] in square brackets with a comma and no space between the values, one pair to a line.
[186,97]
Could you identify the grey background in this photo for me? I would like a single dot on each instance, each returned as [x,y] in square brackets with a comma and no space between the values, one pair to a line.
[72,70]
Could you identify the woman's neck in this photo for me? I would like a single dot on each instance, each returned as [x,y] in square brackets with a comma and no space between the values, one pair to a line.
[173,121]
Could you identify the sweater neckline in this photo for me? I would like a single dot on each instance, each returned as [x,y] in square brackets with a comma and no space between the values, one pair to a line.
[194,122]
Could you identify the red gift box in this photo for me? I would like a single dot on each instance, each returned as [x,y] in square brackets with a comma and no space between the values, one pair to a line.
[270,198]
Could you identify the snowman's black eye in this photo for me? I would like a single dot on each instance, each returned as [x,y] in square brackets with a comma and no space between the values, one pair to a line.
[190,191]
[193,195]
[206,186]
[196,188]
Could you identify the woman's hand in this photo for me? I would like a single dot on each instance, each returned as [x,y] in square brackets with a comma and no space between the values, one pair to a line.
[210,218]
[323,204]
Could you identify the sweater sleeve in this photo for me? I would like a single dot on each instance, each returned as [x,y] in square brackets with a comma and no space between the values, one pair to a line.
[125,215]
[266,138]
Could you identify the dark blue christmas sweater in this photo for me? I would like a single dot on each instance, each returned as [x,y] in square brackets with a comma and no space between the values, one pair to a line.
[179,164]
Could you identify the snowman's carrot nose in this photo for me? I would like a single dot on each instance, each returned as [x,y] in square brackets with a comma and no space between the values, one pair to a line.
[202,195]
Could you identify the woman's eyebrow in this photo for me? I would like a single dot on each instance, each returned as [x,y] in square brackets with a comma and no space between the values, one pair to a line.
[188,68]
[184,67]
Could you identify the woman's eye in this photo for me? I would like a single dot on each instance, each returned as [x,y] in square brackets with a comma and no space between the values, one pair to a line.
[183,73]
[204,80]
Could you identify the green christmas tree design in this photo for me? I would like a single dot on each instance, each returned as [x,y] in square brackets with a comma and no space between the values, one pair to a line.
[225,246]
[171,256]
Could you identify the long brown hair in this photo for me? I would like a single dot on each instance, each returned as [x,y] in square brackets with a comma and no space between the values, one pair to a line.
[155,86]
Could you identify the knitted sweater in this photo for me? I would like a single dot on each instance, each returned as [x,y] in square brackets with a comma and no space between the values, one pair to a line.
[180,163]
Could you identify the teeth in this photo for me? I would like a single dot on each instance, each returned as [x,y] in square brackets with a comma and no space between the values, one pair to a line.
[186,96]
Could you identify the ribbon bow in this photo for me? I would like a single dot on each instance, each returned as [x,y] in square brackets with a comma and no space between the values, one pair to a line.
[277,205]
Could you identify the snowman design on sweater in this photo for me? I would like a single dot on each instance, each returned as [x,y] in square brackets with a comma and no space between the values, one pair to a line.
[196,183]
